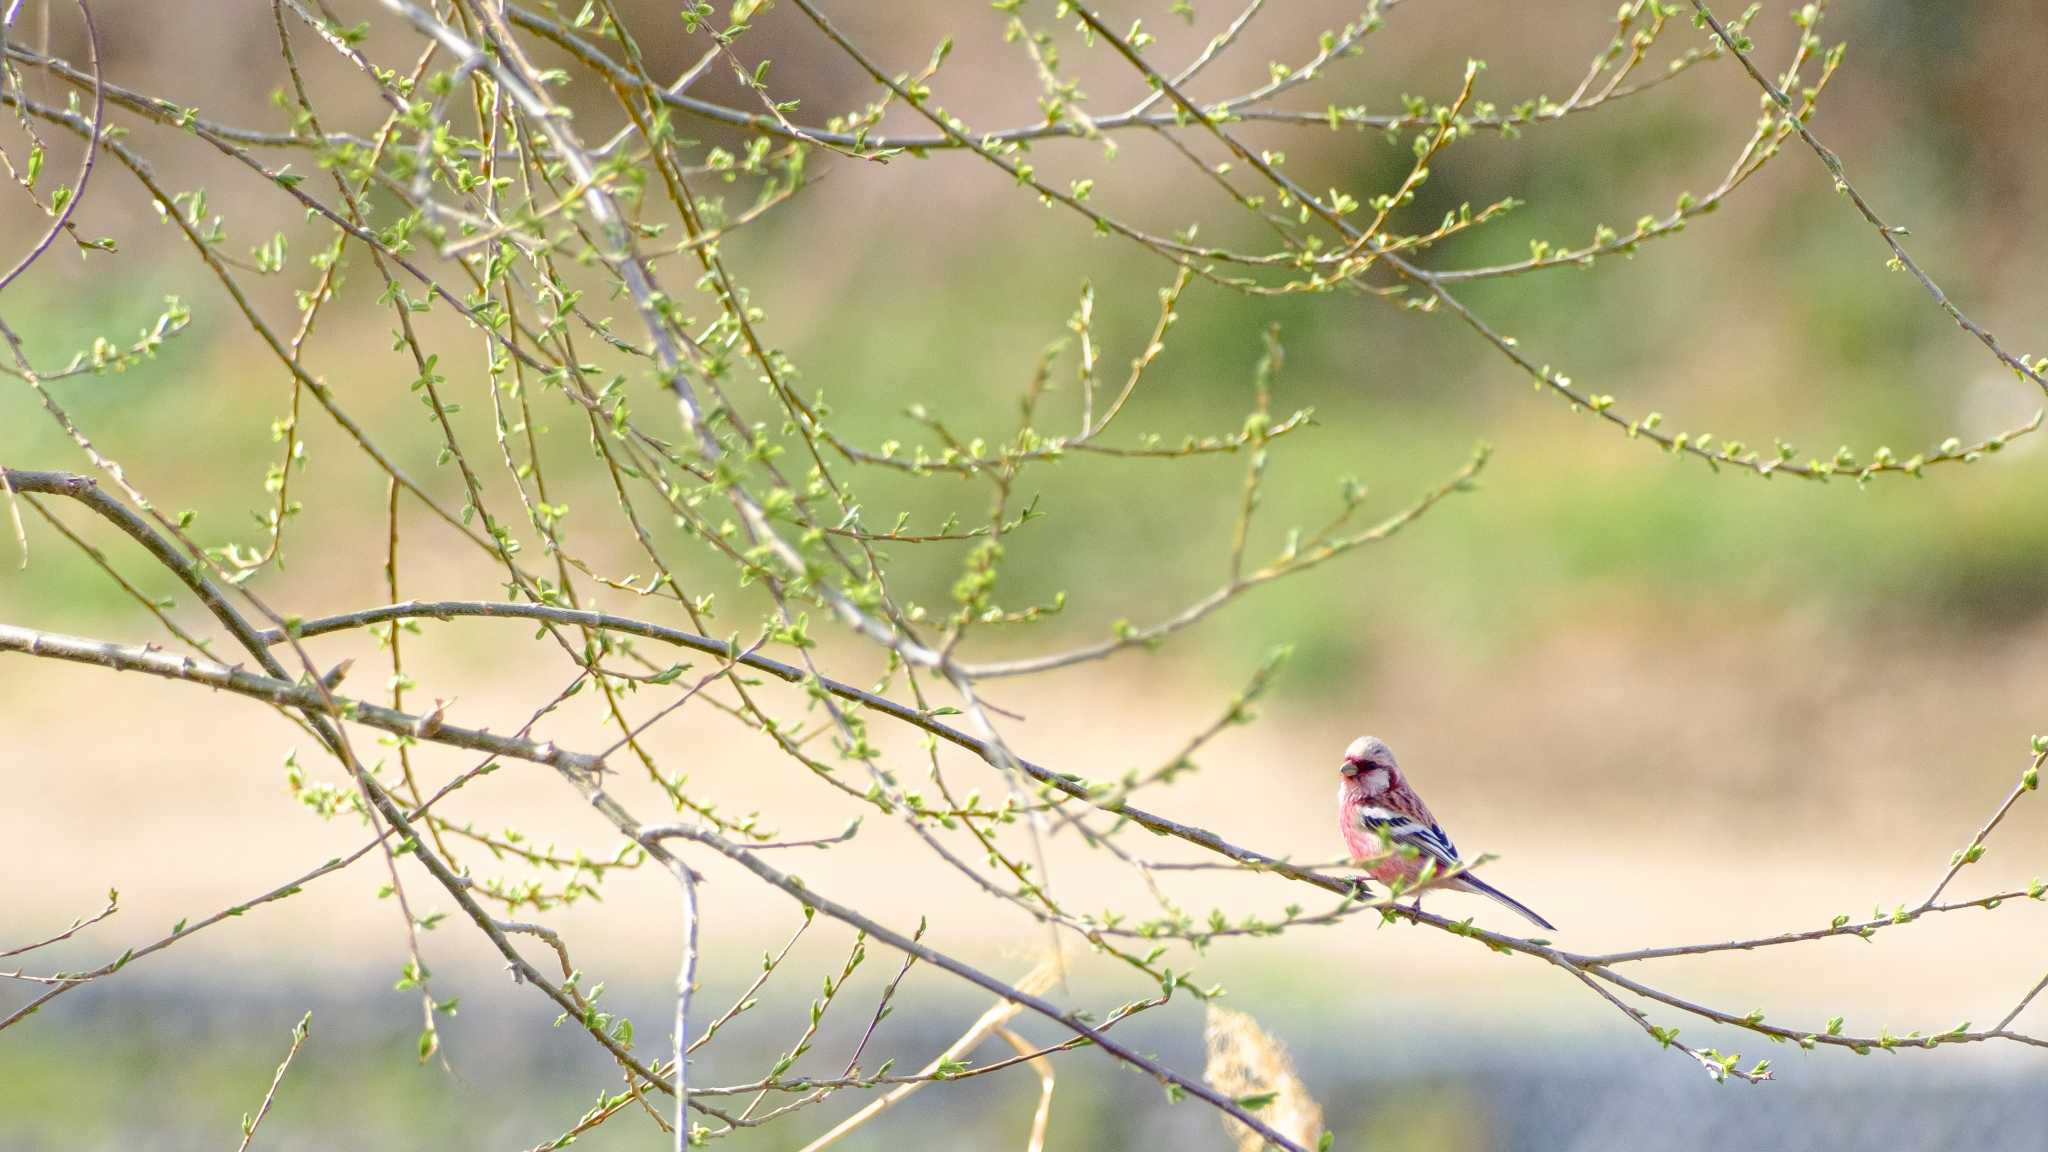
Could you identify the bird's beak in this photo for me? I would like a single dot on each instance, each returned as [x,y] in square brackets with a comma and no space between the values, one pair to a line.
[1350,768]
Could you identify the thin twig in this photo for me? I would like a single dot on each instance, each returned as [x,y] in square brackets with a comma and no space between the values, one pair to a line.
[113,906]
[299,1033]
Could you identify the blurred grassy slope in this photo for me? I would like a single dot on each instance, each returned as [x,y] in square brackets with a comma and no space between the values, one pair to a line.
[933,282]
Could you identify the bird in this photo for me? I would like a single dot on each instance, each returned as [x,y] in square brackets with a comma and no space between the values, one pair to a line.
[1380,815]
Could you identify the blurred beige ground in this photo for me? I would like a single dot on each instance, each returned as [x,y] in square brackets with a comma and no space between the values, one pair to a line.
[1694,790]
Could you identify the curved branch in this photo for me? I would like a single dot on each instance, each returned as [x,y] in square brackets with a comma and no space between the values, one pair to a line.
[304,697]
[1889,234]
[92,147]
[1583,967]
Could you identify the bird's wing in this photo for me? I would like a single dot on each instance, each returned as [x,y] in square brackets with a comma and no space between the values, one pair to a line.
[1427,838]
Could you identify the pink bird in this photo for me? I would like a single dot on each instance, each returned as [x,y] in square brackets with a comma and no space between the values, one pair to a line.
[1380,815]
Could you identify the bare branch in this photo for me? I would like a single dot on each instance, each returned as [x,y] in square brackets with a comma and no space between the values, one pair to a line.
[299,1034]
[137,658]
[113,906]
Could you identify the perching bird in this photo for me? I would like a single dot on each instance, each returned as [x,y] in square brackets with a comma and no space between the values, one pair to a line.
[1380,814]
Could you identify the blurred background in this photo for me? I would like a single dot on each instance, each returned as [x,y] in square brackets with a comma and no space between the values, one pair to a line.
[1680,706]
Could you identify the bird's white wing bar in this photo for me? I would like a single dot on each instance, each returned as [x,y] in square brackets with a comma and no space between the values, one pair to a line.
[1429,838]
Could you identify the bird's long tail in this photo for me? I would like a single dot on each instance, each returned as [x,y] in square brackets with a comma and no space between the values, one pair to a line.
[1475,884]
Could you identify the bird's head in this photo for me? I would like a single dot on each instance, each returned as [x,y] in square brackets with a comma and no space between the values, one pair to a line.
[1369,767]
